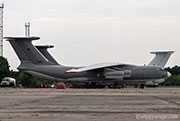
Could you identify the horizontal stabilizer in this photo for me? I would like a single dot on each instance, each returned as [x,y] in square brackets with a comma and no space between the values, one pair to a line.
[44,46]
[160,58]
[21,38]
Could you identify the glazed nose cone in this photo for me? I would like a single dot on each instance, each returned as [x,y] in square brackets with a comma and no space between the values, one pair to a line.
[168,74]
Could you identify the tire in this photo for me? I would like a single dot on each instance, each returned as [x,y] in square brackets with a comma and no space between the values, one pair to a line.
[11,84]
[142,86]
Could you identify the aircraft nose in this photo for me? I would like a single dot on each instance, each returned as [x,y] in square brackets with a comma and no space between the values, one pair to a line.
[168,74]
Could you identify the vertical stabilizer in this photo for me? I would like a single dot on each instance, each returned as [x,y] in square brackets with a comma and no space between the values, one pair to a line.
[26,51]
[160,58]
[44,51]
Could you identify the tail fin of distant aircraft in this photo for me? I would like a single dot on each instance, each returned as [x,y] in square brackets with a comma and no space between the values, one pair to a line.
[44,51]
[160,58]
[25,50]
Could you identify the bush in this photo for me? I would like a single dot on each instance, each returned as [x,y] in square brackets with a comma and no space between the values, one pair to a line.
[26,80]
[174,80]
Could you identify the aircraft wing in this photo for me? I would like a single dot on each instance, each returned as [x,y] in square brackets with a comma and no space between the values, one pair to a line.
[95,67]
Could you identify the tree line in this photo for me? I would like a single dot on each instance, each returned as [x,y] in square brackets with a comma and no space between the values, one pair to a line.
[174,80]
[22,78]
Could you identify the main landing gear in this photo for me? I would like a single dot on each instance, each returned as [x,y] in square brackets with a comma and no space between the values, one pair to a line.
[142,86]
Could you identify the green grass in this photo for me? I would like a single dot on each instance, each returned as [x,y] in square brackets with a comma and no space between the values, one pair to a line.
[35,114]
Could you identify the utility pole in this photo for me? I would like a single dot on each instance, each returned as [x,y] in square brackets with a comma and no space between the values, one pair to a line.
[27,29]
[1,29]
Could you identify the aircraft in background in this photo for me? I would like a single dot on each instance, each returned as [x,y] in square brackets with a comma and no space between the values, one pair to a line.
[36,60]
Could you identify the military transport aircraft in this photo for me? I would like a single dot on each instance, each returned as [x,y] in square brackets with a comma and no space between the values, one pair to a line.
[36,60]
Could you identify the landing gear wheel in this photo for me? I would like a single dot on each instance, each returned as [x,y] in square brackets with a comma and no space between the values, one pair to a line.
[136,85]
[123,86]
[115,85]
[142,86]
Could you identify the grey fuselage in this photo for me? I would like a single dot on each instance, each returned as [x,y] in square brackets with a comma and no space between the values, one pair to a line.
[58,73]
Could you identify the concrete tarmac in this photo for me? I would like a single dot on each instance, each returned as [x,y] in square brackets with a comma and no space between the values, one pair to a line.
[128,104]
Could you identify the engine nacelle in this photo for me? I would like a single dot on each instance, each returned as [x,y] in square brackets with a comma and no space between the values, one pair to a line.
[118,74]
[114,75]
[127,74]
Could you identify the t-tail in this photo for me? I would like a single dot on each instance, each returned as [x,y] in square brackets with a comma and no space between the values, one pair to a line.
[27,52]
[160,58]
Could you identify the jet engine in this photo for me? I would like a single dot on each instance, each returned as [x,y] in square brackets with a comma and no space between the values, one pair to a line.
[118,74]
[114,75]
[127,74]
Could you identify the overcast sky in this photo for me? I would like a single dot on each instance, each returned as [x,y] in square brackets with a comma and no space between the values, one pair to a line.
[86,32]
